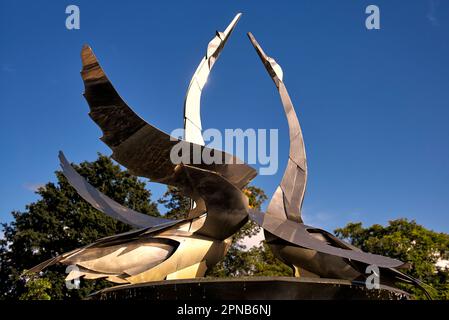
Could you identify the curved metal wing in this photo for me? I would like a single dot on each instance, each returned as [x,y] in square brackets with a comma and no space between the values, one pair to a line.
[143,149]
[298,234]
[105,204]
[192,103]
[226,204]
[289,195]
[125,237]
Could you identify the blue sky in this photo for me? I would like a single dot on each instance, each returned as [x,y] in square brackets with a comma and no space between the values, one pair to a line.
[373,105]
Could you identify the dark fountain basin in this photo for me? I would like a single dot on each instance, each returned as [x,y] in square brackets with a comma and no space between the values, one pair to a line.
[252,288]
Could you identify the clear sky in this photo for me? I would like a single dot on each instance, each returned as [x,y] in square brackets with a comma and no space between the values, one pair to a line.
[373,105]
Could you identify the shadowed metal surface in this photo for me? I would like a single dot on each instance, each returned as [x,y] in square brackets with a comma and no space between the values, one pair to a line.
[226,204]
[145,255]
[192,103]
[282,218]
[104,242]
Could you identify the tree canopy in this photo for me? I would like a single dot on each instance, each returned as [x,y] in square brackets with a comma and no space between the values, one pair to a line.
[407,241]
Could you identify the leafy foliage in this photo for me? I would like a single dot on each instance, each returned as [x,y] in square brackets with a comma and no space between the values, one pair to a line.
[406,241]
[177,204]
[36,289]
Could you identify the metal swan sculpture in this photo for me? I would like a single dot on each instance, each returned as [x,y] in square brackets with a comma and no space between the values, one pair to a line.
[172,249]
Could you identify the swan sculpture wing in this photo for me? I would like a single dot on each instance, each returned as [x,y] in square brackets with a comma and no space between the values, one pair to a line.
[105,204]
[140,147]
[299,234]
[192,103]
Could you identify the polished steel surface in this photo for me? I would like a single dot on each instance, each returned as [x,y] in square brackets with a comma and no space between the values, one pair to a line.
[143,149]
[192,103]
[226,204]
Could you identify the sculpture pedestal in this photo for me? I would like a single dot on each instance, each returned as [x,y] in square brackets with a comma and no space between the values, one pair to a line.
[252,288]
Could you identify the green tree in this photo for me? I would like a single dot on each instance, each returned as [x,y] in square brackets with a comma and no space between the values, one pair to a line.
[406,241]
[36,289]
[177,204]
[61,221]
[264,263]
